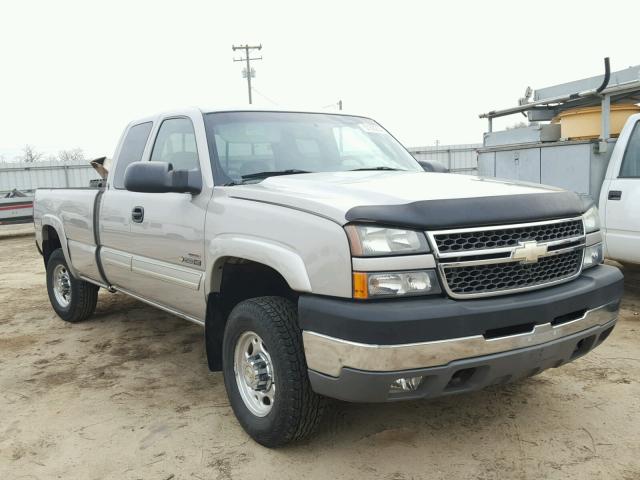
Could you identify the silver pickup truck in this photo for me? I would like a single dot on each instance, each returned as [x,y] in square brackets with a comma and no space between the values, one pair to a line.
[322,261]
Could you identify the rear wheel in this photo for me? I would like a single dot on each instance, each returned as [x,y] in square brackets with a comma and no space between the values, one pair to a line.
[265,372]
[72,299]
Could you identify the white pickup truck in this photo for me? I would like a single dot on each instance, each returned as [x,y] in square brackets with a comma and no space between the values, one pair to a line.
[620,196]
[322,261]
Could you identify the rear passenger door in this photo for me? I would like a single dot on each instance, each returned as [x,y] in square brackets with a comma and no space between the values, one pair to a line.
[114,216]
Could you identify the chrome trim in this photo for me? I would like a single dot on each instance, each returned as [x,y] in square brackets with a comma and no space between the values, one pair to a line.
[329,355]
[506,226]
[443,264]
[254,374]
[61,285]
[493,251]
[400,262]
[585,254]
[491,261]
[431,236]
[593,238]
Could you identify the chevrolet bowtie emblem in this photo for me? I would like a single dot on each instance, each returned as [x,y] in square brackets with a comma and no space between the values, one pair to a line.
[529,252]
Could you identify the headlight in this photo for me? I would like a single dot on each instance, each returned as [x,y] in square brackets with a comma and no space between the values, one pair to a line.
[593,256]
[591,219]
[394,284]
[369,241]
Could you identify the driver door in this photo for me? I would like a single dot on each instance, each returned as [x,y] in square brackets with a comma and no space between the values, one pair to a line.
[167,229]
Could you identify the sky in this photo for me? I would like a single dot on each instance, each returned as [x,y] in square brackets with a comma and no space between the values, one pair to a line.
[74,73]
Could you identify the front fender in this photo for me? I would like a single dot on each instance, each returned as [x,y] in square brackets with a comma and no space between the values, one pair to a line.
[280,257]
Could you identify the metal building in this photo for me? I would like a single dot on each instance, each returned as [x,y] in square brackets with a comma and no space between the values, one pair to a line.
[543,152]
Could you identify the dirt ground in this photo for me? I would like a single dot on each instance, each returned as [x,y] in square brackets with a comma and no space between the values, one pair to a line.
[127,395]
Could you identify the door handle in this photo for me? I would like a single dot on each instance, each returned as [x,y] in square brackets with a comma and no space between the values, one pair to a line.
[615,194]
[137,214]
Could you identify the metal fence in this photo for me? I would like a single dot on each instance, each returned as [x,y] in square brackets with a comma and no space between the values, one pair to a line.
[27,176]
[461,158]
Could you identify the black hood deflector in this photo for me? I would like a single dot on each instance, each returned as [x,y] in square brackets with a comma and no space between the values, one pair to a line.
[473,212]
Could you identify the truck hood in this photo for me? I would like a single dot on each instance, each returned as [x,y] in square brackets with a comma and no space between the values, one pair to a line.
[388,196]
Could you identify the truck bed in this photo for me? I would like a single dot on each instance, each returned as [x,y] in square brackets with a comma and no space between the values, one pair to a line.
[71,212]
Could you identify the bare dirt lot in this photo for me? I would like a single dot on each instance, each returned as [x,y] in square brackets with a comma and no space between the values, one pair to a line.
[127,395]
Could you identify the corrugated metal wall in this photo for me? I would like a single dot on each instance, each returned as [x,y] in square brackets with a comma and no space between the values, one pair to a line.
[41,174]
[462,158]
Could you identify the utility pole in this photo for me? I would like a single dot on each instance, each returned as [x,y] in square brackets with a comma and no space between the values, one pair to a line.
[248,72]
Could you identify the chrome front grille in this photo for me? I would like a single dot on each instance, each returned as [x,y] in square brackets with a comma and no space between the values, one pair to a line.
[499,277]
[506,237]
[499,260]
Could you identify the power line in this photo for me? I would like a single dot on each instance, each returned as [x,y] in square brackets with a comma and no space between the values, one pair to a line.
[334,105]
[248,72]
[270,100]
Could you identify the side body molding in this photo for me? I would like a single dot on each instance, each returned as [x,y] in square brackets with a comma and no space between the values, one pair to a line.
[280,257]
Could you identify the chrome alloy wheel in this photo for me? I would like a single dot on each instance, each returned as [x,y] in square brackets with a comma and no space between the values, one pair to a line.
[62,285]
[254,374]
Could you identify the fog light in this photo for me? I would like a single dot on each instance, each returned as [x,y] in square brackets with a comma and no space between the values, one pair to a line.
[593,256]
[408,384]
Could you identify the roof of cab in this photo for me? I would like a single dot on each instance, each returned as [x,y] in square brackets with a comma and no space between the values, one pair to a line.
[237,108]
[252,108]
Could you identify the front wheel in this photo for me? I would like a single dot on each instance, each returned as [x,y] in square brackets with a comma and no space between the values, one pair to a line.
[72,299]
[265,372]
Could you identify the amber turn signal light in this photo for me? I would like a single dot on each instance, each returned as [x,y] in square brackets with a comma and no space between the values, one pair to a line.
[360,289]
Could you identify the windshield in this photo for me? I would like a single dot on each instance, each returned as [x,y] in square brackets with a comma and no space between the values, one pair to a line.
[247,144]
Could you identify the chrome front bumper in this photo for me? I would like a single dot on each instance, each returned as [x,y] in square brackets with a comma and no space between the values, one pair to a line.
[328,355]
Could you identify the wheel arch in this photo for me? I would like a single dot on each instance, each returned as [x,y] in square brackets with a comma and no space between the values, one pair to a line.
[249,270]
[286,262]
[53,237]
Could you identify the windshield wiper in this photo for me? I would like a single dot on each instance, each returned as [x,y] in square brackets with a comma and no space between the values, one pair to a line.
[275,173]
[376,168]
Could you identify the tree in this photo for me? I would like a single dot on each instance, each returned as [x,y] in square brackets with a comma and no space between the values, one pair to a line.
[521,125]
[30,154]
[74,155]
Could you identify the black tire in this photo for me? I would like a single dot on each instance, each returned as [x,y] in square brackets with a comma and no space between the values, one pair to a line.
[84,295]
[296,409]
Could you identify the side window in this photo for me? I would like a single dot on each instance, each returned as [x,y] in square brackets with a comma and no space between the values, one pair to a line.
[131,151]
[631,161]
[176,144]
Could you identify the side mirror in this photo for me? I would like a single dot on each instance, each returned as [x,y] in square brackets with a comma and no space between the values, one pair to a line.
[160,177]
[428,166]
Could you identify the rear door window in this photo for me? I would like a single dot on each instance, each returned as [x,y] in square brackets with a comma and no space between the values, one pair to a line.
[131,151]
